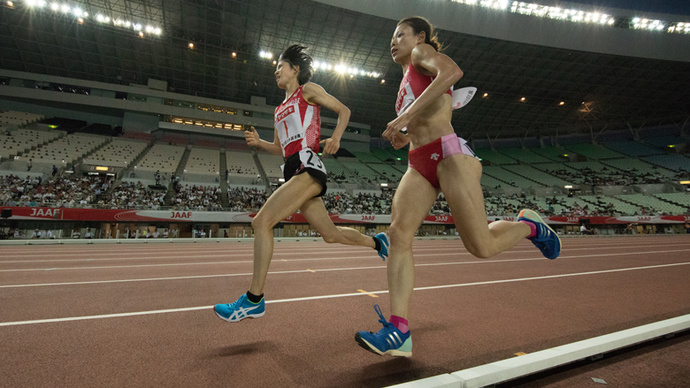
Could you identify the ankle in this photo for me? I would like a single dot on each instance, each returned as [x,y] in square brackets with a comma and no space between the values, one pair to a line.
[400,323]
[532,227]
[254,298]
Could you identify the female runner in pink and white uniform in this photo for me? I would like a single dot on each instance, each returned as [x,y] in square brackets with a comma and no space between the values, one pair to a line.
[296,138]
[438,161]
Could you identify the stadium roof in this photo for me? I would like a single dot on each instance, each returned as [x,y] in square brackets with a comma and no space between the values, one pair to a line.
[571,85]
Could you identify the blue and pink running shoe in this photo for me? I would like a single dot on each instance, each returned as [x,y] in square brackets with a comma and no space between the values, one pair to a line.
[389,340]
[547,239]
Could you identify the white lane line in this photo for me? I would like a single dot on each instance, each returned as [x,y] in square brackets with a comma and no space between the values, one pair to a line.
[97,256]
[249,274]
[325,259]
[281,250]
[320,297]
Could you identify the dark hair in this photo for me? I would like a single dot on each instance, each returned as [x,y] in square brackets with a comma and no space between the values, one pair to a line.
[295,55]
[420,24]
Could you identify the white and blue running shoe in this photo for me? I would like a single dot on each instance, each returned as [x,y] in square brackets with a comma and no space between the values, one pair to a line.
[383,241]
[547,239]
[388,340]
[240,309]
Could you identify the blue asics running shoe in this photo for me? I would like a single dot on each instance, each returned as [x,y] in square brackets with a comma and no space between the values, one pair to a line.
[547,239]
[388,340]
[383,240]
[242,308]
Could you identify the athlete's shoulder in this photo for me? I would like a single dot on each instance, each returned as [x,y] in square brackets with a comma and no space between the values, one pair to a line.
[312,91]
[420,54]
[311,88]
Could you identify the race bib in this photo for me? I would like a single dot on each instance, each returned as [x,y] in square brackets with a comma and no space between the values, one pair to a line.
[311,160]
[463,96]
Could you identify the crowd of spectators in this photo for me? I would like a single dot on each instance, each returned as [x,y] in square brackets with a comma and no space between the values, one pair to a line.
[62,192]
[241,199]
[197,197]
[88,191]
[13,188]
[362,203]
[131,195]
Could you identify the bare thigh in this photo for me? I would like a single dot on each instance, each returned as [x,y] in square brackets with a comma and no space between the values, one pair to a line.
[286,200]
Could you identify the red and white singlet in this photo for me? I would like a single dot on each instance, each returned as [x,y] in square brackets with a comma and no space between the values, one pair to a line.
[298,124]
[412,85]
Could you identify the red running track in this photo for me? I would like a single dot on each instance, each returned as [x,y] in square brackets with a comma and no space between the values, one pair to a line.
[140,315]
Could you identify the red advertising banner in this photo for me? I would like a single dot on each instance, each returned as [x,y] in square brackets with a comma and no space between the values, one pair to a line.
[122,215]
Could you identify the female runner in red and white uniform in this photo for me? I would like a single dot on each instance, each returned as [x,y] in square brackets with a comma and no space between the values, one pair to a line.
[438,161]
[296,138]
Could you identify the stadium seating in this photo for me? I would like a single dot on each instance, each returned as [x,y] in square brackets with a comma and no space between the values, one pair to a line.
[524,155]
[64,151]
[618,207]
[161,157]
[673,162]
[18,119]
[118,153]
[553,153]
[203,165]
[240,164]
[652,204]
[632,148]
[537,175]
[593,151]
[271,165]
[494,157]
[680,199]
[510,177]
[18,142]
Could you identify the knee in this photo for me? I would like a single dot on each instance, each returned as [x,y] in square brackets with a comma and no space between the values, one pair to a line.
[400,237]
[330,237]
[259,223]
[481,252]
